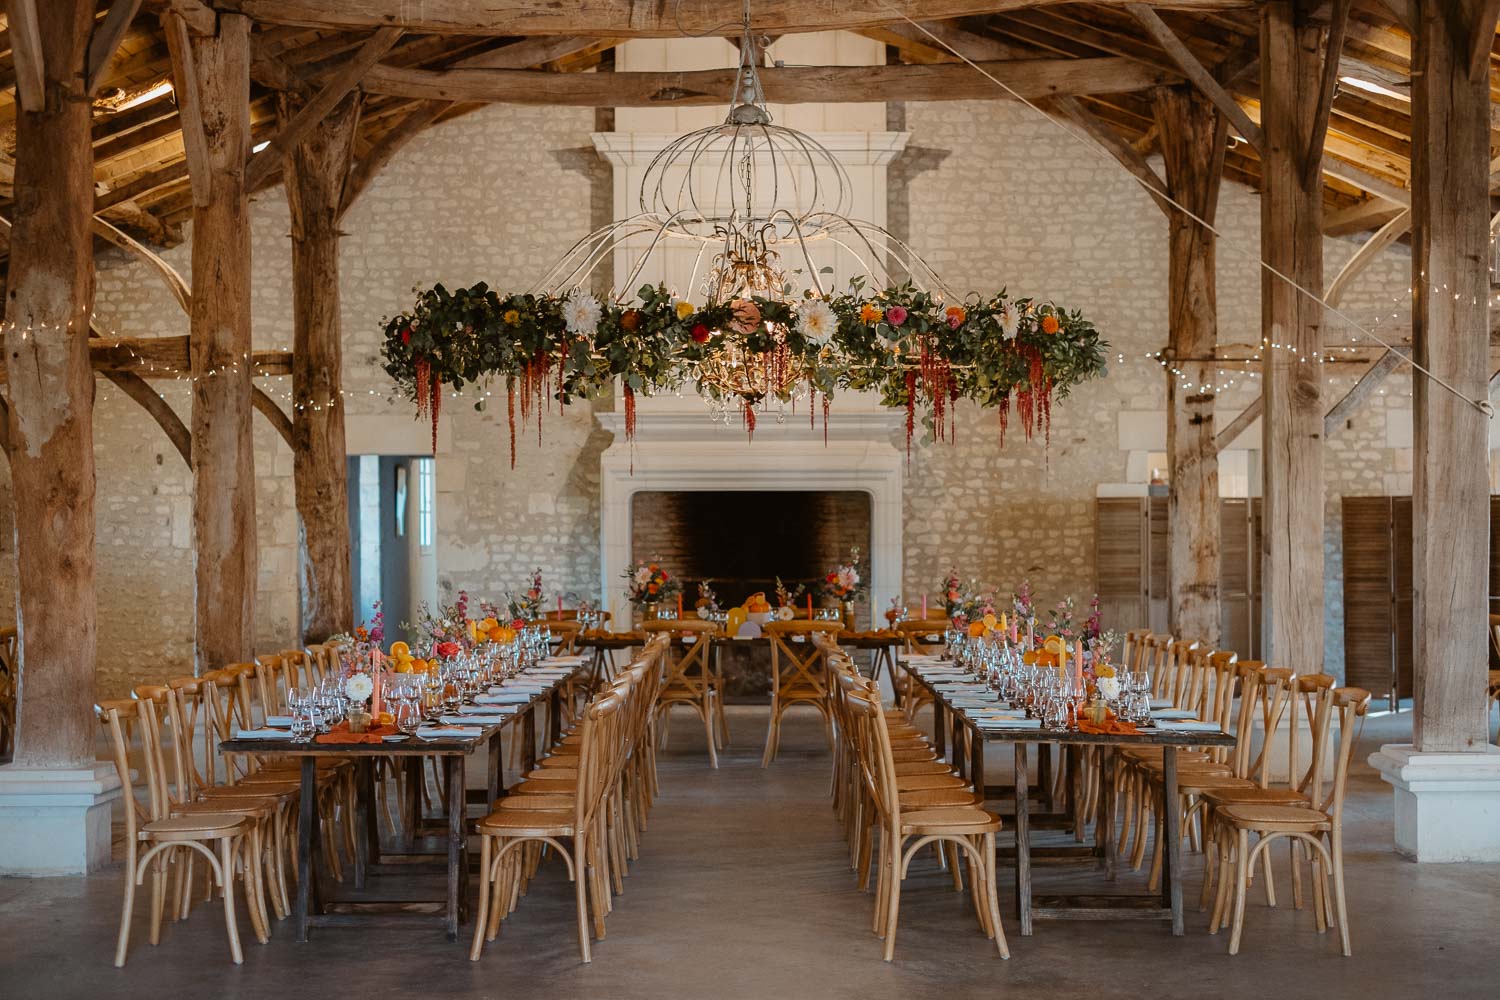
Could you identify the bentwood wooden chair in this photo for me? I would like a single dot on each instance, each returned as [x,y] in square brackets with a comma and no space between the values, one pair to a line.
[799,675]
[8,676]
[1312,699]
[690,678]
[904,831]
[153,836]
[919,637]
[1319,825]
[572,823]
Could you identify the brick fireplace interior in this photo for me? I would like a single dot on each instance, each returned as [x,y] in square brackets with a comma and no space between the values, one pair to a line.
[741,540]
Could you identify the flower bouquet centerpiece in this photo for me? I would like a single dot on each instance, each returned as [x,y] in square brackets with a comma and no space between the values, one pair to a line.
[1025,608]
[360,649]
[446,631]
[968,604]
[844,583]
[528,605]
[787,598]
[647,584]
[708,601]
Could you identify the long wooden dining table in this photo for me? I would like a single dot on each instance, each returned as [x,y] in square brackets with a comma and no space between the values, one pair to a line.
[959,736]
[314,906]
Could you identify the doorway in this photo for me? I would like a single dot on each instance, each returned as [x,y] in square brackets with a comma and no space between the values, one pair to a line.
[393,521]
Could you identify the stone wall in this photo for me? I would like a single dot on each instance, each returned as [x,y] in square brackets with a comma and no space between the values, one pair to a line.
[992,196]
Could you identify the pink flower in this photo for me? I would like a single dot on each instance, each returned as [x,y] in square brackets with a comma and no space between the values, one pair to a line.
[895,315]
[954,321]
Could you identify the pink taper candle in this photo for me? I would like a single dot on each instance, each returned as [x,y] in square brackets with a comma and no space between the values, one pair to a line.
[679,604]
[924,607]
[1078,659]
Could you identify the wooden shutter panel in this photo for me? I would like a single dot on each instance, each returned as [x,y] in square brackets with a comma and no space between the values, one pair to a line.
[1369,593]
[1119,559]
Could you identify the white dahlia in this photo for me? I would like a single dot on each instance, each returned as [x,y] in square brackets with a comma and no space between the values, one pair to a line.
[816,320]
[581,313]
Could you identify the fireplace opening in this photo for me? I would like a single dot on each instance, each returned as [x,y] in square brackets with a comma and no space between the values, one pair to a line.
[742,540]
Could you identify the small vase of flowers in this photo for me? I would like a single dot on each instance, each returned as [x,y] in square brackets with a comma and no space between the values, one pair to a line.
[647,584]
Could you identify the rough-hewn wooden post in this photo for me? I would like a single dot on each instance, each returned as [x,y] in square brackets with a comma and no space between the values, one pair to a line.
[1192,144]
[315,172]
[51,392]
[1291,211]
[1450,330]
[213,88]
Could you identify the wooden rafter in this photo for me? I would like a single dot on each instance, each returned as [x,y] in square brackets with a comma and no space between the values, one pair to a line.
[107,38]
[189,109]
[1384,365]
[26,53]
[1326,86]
[1249,415]
[314,111]
[1368,251]
[1195,71]
[278,418]
[1484,40]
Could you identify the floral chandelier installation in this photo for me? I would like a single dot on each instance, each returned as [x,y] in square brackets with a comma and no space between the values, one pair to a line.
[897,330]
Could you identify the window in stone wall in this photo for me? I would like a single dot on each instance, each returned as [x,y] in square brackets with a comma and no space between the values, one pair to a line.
[426,497]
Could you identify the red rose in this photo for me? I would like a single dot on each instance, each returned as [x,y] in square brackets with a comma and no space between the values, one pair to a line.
[700,333]
[447,650]
[406,336]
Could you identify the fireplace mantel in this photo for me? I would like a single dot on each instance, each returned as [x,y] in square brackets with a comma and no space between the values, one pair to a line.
[680,451]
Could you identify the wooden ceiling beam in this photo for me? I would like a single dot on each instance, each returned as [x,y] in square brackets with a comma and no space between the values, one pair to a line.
[26,54]
[107,37]
[1195,71]
[314,111]
[630,18]
[1032,78]
[1327,84]
[164,358]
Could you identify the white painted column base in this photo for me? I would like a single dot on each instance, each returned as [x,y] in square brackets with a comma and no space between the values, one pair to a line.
[1447,804]
[55,821]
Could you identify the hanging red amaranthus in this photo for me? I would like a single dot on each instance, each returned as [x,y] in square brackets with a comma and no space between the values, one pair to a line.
[423,377]
[510,414]
[911,408]
[437,405]
[1004,409]
[748,416]
[825,420]
[629,413]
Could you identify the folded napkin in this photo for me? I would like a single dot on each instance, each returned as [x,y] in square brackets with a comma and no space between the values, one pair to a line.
[922,658]
[474,719]
[503,698]
[983,714]
[1173,714]
[576,660]
[448,732]
[1006,722]
[486,710]
[1185,726]
[260,734]
[1161,703]
[279,721]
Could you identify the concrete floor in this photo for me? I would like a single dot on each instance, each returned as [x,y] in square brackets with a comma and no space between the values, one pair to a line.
[744,891]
